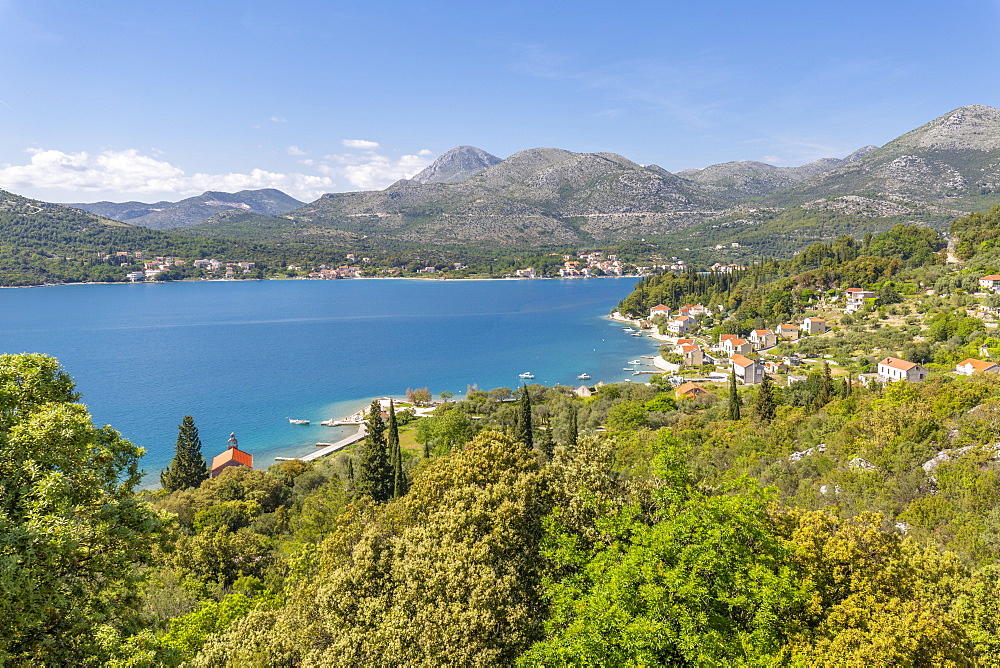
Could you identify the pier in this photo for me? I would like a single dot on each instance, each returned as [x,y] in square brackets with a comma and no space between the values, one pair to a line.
[327,448]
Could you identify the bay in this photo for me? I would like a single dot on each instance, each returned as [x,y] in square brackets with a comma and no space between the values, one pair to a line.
[243,356]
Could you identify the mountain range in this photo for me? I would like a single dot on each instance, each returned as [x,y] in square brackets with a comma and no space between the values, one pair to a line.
[193,210]
[550,197]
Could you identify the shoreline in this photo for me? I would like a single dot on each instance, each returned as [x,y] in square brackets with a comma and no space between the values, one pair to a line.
[356,278]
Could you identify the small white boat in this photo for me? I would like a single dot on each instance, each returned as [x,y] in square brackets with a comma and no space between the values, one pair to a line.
[526,374]
[584,376]
[295,421]
[627,329]
[628,368]
[636,334]
[636,362]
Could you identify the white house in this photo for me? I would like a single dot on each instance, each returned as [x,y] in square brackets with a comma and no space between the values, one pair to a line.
[734,346]
[971,366]
[814,325]
[892,369]
[763,338]
[681,324]
[991,282]
[748,371]
[659,309]
[856,298]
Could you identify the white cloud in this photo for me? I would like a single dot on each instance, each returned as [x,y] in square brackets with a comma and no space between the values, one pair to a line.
[278,119]
[362,144]
[295,150]
[371,171]
[130,172]
[771,159]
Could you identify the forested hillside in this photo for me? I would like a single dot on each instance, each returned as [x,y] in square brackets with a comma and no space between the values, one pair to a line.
[825,521]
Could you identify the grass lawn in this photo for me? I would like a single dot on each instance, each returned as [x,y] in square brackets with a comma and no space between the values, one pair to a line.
[408,437]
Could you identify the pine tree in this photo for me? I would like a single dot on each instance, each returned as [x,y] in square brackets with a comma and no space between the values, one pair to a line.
[573,429]
[734,397]
[396,455]
[374,474]
[522,425]
[188,467]
[764,402]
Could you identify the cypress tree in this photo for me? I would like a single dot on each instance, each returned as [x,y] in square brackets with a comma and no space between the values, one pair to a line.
[395,455]
[544,443]
[825,393]
[573,430]
[188,467]
[374,474]
[734,397]
[523,423]
[764,402]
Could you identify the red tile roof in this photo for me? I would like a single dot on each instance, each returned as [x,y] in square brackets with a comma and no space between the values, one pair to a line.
[897,363]
[689,389]
[232,455]
[977,365]
[740,360]
[991,277]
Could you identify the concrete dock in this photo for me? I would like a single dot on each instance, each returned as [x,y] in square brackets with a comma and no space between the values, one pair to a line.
[327,448]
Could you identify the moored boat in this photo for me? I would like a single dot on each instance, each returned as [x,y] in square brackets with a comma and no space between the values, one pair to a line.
[526,374]
[584,376]
[297,421]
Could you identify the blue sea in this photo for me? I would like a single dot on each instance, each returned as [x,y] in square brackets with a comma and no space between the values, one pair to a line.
[243,356]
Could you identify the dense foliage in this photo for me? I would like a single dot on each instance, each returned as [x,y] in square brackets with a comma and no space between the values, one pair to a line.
[72,535]
[816,523]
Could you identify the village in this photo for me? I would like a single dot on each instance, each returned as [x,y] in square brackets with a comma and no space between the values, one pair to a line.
[698,358]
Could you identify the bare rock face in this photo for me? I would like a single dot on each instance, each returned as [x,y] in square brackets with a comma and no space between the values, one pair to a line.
[458,164]
[749,178]
[951,162]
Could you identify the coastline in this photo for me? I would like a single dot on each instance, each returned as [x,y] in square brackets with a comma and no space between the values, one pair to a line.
[300,278]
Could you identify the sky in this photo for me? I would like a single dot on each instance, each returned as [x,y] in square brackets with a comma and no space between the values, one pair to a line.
[148,100]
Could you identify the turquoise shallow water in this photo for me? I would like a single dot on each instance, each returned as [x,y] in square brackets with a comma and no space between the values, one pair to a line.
[244,355]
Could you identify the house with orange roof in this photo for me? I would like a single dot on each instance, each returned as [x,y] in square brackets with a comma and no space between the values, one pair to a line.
[748,371]
[971,366]
[735,346]
[991,282]
[763,338]
[893,369]
[814,325]
[681,324]
[788,332]
[689,390]
[233,456]
[692,354]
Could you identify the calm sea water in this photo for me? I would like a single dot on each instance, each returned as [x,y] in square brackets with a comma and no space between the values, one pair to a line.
[243,356]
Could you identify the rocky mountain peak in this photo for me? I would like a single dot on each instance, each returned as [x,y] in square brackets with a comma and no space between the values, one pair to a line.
[455,165]
[860,153]
[974,127]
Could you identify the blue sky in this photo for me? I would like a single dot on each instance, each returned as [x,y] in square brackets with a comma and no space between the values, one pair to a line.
[162,100]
